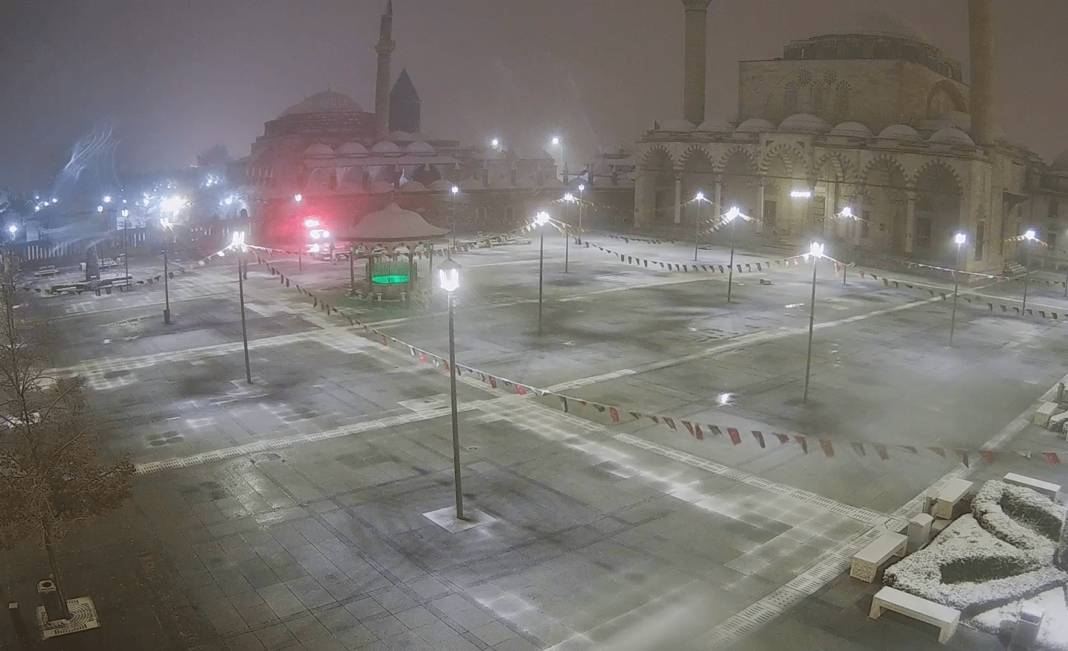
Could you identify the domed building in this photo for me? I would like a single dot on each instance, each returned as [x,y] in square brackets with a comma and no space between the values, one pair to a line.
[916,154]
[345,162]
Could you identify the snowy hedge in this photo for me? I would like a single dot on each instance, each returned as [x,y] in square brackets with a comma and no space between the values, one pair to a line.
[1021,517]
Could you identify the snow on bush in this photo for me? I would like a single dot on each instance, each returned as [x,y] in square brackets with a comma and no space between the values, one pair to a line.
[1021,517]
[969,569]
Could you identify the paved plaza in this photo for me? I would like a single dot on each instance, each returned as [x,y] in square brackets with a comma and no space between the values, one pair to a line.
[289,513]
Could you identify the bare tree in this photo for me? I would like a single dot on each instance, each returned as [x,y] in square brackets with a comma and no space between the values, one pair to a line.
[51,477]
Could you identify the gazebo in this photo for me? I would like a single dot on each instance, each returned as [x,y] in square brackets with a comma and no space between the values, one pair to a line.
[388,229]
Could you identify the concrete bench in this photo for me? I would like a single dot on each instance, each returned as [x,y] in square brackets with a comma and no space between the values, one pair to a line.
[1043,413]
[870,561]
[949,501]
[46,271]
[944,617]
[919,531]
[1046,488]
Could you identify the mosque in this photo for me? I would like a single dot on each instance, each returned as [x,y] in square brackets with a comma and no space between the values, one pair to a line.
[871,141]
[329,158]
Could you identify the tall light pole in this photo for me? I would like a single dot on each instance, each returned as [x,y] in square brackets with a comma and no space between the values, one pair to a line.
[816,251]
[449,279]
[731,216]
[168,227]
[582,191]
[125,255]
[700,199]
[568,198]
[847,213]
[455,192]
[558,142]
[1029,238]
[238,243]
[541,219]
[959,239]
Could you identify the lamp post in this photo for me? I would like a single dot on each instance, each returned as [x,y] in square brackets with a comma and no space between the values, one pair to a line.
[568,198]
[238,243]
[455,192]
[700,199]
[541,219]
[816,251]
[959,239]
[1029,238]
[847,213]
[168,227]
[125,255]
[582,192]
[730,216]
[449,279]
[558,142]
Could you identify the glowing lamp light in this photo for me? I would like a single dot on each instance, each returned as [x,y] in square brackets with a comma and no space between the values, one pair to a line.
[237,241]
[173,204]
[847,213]
[556,141]
[125,213]
[1030,235]
[166,224]
[316,234]
[496,143]
[99,208]
[700,196]
[37,209]
[816,249]
[960,238]
[455,190]
[326,235]
[732,214]
[570,198]
[298,197]
[12,228]
[449,276]
[801,194]
[228,201]
[542,218]
[107,198]
[724,399]
[314,248]
[54,201]
[311,222]
[582,187]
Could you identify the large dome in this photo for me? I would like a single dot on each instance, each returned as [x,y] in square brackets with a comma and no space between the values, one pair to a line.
[804,123]
[328,101]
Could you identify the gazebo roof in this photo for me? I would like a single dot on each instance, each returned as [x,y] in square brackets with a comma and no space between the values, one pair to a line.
[394,224]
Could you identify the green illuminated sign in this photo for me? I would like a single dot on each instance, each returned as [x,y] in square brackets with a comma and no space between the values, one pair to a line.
[390,279]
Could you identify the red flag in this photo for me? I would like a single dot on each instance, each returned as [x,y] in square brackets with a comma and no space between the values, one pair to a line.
[613,413]
[881,450]
[828,447]
[803,442]
[493,381]
[1051,458]
[697,432]
[859,449]
[422,357]
[783,438]
[759,436]
[669,422]
[520,389]
[714,431]
[987,455]
[736,438]
[689,426]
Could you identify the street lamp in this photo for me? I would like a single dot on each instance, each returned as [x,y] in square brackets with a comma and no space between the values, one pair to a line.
[237,243]
[125,255]
[568,198]
[12,228]
[847,213]
[449,279]
[107,198]
[816,251]
[541,219]
[1029,237]
[455,192]
[582,191]
[700,199]
[558,142]
[730,216]
[298,197]
[168,229]
[496,144]
[959,239]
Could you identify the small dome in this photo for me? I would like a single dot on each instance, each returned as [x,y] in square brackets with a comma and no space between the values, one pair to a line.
[676,125]
[319,149]
[755,125]
[899,132]
[386,147]
[952,136]
[470,183]
[351,149]
[419,147]
[851,130]
[403,136]
[413,186]
[716,125]
[804,123]
[1060,163]
[441,185]
[328,101]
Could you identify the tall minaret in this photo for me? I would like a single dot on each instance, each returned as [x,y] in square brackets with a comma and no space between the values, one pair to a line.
[693,98]
[983,100]
[382,82]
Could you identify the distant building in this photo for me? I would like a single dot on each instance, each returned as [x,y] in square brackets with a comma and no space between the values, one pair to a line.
[881,124]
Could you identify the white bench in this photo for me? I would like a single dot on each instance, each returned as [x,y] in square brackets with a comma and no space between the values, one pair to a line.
[50,270]
[872,559]
[1043,413]
[950,500]
[1046,488]
[944,617]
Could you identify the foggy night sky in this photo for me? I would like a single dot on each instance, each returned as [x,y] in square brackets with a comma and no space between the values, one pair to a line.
[176,76]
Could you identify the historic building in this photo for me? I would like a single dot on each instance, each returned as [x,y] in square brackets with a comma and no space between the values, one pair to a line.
[342,162]
[869,140]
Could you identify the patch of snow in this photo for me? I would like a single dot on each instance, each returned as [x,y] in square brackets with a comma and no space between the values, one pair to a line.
[1054,632]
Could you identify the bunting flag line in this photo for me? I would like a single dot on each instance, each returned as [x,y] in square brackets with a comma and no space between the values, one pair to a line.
[693,267]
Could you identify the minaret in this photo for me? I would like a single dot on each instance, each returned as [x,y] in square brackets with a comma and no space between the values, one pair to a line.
[382,82]
[693,98]
[981,45]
